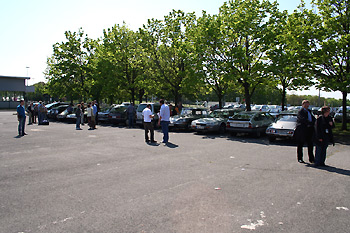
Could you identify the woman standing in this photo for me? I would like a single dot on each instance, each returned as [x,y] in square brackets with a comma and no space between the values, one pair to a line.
[78,116]
[324,135]
[90,115]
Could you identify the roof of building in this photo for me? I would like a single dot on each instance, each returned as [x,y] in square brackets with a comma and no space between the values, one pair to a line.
[2,76]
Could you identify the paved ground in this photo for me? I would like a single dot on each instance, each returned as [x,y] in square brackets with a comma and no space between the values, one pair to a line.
[58,179]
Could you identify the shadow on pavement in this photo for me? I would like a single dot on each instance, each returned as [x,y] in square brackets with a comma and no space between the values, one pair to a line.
[332,170]
[171,145]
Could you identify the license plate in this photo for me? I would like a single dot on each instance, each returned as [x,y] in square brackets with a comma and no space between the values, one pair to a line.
[114,116]
[200,127]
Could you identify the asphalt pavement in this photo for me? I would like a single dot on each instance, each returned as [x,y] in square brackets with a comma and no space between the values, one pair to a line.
[58,179]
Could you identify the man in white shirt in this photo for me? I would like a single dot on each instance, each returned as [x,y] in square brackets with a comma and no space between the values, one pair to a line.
[164,120]
[147,123]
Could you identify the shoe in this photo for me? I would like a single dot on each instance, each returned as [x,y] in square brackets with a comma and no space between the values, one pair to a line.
[301,161]
[24,134]
[312,161]
[147,141]
[79,129]
[153,141]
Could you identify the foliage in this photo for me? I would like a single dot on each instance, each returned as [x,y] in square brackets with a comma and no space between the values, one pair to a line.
[67,69]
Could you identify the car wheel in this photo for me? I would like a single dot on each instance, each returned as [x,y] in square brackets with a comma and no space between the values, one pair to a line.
[222,129]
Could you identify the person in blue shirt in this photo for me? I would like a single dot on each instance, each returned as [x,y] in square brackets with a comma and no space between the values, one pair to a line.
[164,120]
[21,116]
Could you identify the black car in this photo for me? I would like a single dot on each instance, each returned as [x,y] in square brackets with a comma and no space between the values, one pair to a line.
[118,115]
[52,114]
[184,120]
[103,116]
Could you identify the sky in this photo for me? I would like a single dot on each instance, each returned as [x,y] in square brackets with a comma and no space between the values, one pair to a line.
[29,28]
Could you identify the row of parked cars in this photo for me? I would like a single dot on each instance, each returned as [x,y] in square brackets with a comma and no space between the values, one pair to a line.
[273,122]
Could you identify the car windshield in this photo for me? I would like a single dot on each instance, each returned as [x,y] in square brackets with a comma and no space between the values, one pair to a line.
[243,116]
[222,114]
[292,118]
[119,109]
[196,112]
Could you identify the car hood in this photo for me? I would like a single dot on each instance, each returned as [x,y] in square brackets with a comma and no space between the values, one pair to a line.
[284,125]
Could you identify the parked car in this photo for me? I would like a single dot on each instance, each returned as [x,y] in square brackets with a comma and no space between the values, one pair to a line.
[252,122]
[262,108]
[54,105]
[118,115]
[338,117]
[63,116]
[103,116]
[53,113]
[215,121]
[155,108]
[284,127]
[184,120]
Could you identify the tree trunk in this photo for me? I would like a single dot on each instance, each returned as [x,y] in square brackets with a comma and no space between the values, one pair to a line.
[247,96]
[284,92]
[344,111]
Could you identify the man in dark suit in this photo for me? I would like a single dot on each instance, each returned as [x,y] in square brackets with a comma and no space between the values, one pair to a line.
[304,131]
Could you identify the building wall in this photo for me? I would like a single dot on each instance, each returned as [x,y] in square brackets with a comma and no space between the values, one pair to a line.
[12,84]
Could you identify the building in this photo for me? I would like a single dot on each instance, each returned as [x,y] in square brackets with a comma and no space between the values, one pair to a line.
[13,89]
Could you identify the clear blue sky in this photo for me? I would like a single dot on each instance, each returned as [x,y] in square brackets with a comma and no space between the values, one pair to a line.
[29,28]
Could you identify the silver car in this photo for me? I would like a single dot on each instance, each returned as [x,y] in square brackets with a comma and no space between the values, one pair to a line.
[253,122]
[216,121]
[284,127]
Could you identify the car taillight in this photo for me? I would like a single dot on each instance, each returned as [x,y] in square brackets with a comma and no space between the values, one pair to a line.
[250,125]
[109,116]
[228,125]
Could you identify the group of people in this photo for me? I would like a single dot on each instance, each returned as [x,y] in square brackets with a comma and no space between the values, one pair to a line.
[92,115]
[310,130]
[36,114]
[163,121]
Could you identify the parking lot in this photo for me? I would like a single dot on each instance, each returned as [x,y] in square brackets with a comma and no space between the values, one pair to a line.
[58,179]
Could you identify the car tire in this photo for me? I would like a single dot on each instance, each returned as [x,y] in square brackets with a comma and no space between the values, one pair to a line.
[234,134]
[257,134]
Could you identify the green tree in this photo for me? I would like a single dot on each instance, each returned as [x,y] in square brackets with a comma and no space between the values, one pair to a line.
[209,42]
[247,36]
[172,55]
[286,66]
[67,69]
[327,33]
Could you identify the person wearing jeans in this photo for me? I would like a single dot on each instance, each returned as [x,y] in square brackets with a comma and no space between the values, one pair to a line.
[21,116]
[164,120]
[78,115]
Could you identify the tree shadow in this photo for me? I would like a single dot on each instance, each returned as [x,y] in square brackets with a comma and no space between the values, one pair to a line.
[332,169]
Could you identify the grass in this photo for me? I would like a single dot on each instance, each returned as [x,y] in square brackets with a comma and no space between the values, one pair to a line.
[342,136]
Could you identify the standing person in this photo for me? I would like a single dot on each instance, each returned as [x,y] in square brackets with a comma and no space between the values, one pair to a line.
[178,108]
[82,113]
[30,110]
[304,131]
[36,112]
[324,135]
[39,113]
[21,116]
[147,123]
[78,116]
[131,112]
[164,120]
[90,116]
[95,112]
